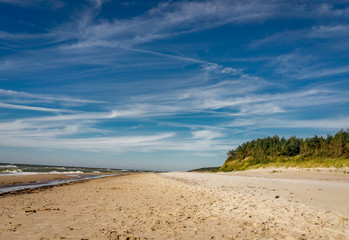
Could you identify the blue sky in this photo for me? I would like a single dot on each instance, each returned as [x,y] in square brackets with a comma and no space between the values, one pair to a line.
[166,85]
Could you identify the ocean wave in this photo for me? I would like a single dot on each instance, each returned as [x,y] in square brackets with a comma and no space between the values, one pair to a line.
[68,172]
[15,171]
[8,166]
[20,172]
[58,168]
[51,183]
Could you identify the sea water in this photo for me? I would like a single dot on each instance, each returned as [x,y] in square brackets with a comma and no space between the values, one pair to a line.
[74,172]
[26,169]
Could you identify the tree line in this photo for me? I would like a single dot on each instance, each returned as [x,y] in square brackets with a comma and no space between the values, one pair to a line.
[265,149]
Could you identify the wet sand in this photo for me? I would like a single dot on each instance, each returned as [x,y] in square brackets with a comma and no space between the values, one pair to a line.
[20,179]
[14,184]
[181,206]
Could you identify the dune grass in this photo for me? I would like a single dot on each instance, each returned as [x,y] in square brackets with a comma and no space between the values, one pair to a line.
[286,162]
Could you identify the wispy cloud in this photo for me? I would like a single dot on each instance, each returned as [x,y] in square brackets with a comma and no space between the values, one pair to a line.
[169,19]
[90,116]
[54,4]
[62,133]
[175,18]
[31,108]
[43,97]
[261,123]
[331,31]
[207,134]
[64,129]
[166,20]
[324,72]
[298,66]
[102,144]
[240,98]
[336,32]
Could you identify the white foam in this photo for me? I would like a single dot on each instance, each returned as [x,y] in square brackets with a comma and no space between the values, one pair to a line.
[8,166]
[68,172]
[50,183]
[15,171]
[20,172]
[59,168]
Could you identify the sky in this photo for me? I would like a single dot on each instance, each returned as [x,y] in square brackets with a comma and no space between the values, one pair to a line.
[167,85]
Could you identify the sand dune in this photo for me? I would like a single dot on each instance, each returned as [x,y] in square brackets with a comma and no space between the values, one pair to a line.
[181,206]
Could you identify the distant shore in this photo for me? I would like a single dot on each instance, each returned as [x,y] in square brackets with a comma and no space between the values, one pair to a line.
[263,204]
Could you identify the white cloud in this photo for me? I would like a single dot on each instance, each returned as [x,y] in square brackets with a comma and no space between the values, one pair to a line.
[53,4]
[236,98]
[280,38]
[44,97]
[31,108]
[328,10]
[334,32]
[260,109]
[63,131]
[214,67]
[168,19]
[298,66]
[6,64]
[63,134]
[94,144]
[175,18]
[88,116]
[206,134]
[324,72]
[269,122]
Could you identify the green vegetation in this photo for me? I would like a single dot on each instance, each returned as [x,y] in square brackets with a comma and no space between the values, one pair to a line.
[205,169]
[332,151]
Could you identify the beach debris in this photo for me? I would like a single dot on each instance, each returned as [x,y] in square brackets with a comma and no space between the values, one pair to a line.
[37,210]
[277,196]
[30,210]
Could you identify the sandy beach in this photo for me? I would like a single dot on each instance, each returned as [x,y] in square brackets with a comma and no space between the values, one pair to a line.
[264,204]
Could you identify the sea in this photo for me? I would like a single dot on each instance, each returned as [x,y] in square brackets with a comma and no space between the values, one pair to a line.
[76,174]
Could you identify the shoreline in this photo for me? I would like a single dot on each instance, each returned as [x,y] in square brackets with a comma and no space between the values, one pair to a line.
[17,184]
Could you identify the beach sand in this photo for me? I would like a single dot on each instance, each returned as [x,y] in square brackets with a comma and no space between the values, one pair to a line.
[20,179]
[264,205]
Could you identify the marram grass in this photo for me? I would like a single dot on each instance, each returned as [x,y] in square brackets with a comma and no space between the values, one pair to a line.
[287,162]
